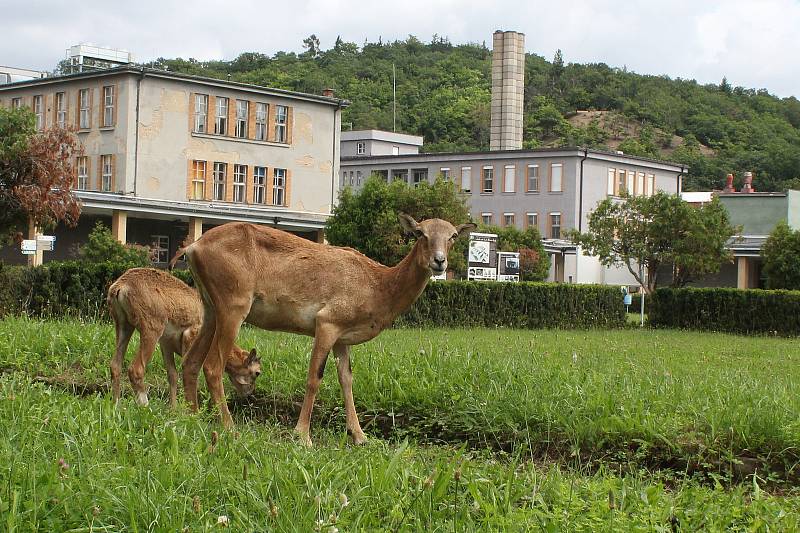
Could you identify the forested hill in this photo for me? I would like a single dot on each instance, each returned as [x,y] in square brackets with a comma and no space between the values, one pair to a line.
[443,94]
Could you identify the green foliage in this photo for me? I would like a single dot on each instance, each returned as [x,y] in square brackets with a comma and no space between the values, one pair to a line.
[368,220]
[101,246]
[731,310]
[516,305]
[781,255]
[655,231]
[534,261]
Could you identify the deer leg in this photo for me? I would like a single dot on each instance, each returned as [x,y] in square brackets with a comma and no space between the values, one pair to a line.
[342,353]
[168,353]
[148,337]
[323,342]
[124,330]
[196,355]
[214,365]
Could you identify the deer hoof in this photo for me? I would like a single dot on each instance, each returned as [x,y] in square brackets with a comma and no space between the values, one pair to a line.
[305,438]
[359,439]
[141,399]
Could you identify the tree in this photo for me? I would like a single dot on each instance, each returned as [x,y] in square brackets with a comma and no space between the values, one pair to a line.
[781,255]
[534,260]
[311,44]
[367,220]
[101,246]
[36,173]
[660,230]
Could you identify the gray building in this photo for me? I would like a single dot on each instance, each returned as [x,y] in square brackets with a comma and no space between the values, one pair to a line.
[369,143]
[167,154]
[553,189]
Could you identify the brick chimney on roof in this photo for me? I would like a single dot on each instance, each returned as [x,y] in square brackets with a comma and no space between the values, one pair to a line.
[729,184]
[748,183]
[327,92]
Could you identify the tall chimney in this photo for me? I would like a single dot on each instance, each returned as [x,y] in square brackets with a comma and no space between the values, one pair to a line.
[508,88]
[748,183]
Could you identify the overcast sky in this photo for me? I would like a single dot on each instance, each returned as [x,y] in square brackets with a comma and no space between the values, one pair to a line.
[755,43]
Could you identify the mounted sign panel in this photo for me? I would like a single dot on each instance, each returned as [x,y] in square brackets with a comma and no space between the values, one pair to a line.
[508,266]
[28,245]
[482,256]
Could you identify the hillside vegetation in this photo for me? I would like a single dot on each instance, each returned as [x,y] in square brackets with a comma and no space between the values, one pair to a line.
[443,94]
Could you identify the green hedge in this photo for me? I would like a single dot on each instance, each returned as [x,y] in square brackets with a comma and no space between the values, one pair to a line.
[731,310]
[79,289]
[517,305]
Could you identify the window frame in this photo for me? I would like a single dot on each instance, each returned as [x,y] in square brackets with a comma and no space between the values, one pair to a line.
[536,177]
[552,225]
[38,110]
[199,178]
[16,103]
[484,189]
[513,180]
[487,218]
[419,176]
[106,173]
[84,109]
[279,187]
[239,183]
[109,108]
[60,105]
[159,248]
[640,184]
[361,148]
[650,184]
[468,188]
[221,119]
[535,216]
[219,182]
[261,118]
[200,113]
[259,185]
[611,182]
[560,166]
[396,175]
[513,220]
[242,110]
[82,176]
[281,123]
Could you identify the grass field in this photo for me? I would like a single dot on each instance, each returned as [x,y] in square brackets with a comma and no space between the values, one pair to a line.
[471,430]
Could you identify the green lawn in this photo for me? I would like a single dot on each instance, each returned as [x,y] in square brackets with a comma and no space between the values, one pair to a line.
[555,430]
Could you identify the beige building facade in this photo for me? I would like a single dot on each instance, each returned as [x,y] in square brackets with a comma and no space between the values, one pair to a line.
[169,154]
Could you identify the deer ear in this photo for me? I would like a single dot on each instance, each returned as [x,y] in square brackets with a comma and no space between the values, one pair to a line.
[410,225]
[253,357]
[464,229]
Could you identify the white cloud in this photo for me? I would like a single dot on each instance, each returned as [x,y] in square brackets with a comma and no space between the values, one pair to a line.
[754,44]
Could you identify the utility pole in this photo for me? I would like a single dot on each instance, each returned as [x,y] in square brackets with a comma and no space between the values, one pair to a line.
[394,99]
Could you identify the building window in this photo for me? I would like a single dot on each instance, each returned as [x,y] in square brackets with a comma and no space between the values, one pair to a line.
[108,106]
[200,113]
[400,175]
[486,218]
[352,178]
[532,220]
[533,178]
[466,179]
[82,165]
[259,185]
[159,250]
[85,109]
[651,185]
[395,150]
[509,219]
[242,108]
[198,180]
[61,110]
[556,171]
[420,175]
[38,111]
[361,148]
[488,179]
[640,184]
[382,174]
[261,121]
[16,103]
[107,174]
[281,119]
[359,178]
[620,183]
[555,225]
[611,180]
[220,171]
[509,178]
[239,182]
[279,187]
[629,182]
[444,172]
[221,122]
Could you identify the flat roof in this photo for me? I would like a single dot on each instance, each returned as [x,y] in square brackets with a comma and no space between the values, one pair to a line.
[381,135]
[155,73]
[570,151]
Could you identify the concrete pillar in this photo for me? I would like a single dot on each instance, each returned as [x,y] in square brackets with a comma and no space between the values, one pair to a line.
[742,272]
[195,229]
[119,226]
[37,258]
[320,235]
[558,265]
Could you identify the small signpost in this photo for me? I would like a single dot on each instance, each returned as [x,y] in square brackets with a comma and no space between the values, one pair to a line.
[482,256]
[42,243]
[508,266]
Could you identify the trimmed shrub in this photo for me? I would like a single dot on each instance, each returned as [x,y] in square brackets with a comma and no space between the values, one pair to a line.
[516,305]
[731,310]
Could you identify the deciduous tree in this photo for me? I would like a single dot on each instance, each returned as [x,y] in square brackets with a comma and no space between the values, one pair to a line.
[781,254]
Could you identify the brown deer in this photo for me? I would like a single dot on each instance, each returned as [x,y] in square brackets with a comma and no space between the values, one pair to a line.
[166,311]
[279,281]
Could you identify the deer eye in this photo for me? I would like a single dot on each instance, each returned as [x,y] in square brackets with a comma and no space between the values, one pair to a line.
[453,236]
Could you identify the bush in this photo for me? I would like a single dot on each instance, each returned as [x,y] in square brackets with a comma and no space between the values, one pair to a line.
[517,305]
[102,247]
[731,310]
